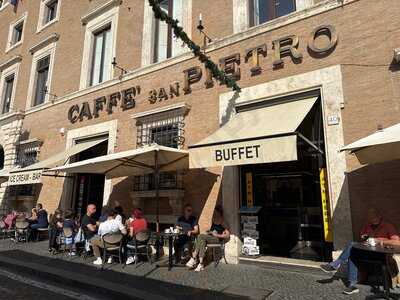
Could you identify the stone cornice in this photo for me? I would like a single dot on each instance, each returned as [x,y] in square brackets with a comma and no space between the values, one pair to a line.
[99,10]
[50,39]
[10,117]
[10,62]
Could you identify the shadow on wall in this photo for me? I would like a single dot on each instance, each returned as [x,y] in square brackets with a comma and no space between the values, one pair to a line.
[201,191]
[375,186]
[120,193]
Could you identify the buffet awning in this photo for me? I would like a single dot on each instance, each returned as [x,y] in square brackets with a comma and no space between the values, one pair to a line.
[33,173]
[139,161]
[381,146]
[262,135]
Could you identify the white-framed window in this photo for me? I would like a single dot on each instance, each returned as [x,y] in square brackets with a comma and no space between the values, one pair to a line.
[49,13]
[99,48]
[16,33]
[8,83]
[41,76]
[3,4]
[262,11]
[159,41]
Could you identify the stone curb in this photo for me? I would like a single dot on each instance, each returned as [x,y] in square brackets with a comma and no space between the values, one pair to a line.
[79,280]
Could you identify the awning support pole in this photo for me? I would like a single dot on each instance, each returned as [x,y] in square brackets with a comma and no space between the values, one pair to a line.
[309,143]
[156,187]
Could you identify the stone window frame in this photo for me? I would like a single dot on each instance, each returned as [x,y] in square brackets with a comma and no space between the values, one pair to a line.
[42,11]
[49,50]
[109,17]
[149,29]
[4,5]
[241,13]
[10,46]
[11,70]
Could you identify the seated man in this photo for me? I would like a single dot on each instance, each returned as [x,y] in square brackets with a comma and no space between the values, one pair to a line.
[110,226]
[376,228]
[218,231]
[188,224]
[40,220]
[89,222]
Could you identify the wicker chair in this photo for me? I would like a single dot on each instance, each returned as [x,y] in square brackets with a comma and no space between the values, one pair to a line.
[66,235]
[6,232]
[112,243]
[140,245]
[21,231]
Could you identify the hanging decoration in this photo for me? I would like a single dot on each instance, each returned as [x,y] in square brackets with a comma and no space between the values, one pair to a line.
[180,33]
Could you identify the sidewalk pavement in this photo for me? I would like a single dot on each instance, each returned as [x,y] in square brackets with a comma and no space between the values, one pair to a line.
[149,282]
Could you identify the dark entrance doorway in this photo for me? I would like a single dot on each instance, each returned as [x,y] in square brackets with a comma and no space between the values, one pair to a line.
[289,194]
[89,188]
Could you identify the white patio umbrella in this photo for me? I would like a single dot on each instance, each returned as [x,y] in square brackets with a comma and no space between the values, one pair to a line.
[381,146]
[145,160]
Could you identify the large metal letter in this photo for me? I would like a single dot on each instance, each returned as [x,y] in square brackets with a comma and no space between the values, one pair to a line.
[254,54]
[192,75]
[327,30]
[286,46]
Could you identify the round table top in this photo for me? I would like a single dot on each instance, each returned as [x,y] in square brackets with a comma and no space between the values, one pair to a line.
[378,248]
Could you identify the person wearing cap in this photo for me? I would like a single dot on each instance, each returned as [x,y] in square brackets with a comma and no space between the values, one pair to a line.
[138,224]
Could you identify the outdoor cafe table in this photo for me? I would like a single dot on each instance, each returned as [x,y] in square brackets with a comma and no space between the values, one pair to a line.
[385,251]
[171,237]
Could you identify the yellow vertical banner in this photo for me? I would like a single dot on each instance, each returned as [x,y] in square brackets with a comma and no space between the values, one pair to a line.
[328,234]
[249,189]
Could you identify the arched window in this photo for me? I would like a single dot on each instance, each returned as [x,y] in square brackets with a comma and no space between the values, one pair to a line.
[1,157]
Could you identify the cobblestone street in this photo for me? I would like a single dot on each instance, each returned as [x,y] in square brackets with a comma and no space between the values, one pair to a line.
[253,281]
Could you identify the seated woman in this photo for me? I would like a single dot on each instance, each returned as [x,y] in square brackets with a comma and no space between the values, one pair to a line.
[56,225]
[138,224]
[218,232]
[70,225]
[40,221]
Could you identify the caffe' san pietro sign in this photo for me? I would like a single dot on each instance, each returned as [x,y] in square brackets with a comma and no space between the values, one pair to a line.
[282,47]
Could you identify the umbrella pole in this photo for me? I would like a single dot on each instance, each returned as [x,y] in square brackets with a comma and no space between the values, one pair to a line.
[156,186]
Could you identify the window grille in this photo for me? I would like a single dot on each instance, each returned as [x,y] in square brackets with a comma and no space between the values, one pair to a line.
[26,190]
[168,181]
[166,129]
[27,153]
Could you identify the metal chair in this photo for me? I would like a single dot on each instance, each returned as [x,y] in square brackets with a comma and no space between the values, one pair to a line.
[112,242]
[40,232]
[218,247]
[21,231]
[140,243]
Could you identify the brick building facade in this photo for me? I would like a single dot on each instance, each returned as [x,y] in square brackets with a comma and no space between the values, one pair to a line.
[356,81]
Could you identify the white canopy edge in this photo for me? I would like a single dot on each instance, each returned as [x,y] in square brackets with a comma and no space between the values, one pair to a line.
[385,136]
[106,163]
[60,157]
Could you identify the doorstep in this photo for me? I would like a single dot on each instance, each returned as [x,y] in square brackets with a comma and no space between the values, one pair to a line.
[283,263]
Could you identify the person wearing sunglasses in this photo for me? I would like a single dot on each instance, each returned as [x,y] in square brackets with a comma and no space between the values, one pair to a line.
[187,223]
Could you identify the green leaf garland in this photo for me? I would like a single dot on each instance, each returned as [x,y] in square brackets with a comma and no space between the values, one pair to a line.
[180,33]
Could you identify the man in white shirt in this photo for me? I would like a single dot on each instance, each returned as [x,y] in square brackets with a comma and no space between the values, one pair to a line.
[111,225]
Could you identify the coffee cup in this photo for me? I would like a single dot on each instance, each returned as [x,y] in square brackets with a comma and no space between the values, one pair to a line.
[371,242]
